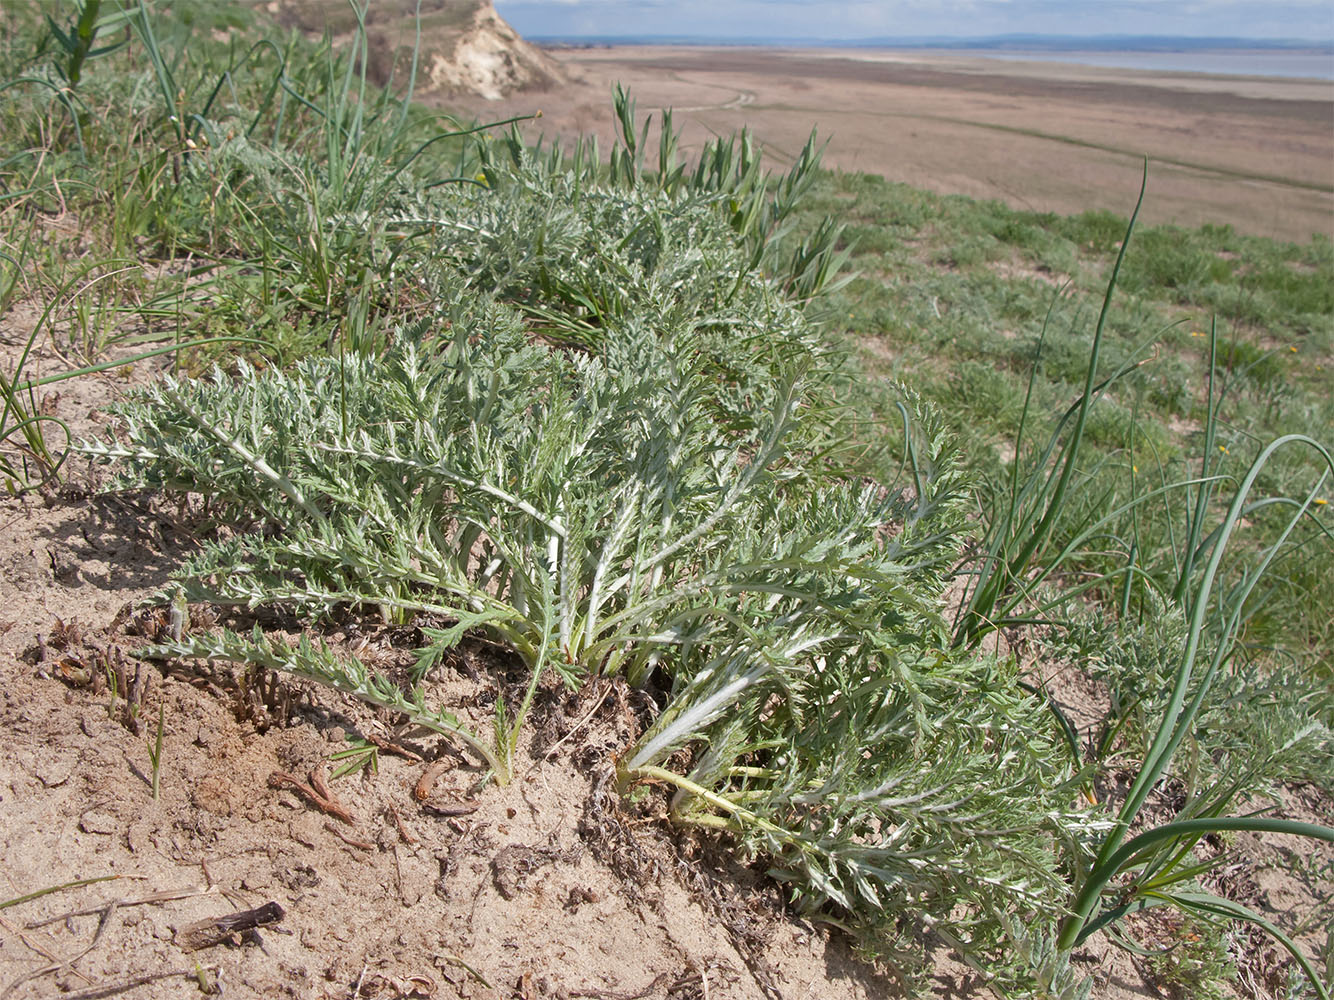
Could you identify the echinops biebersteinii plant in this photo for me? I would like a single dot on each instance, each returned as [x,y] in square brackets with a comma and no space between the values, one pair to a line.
[668,506]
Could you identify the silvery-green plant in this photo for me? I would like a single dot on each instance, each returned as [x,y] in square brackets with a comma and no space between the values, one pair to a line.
[582,250]
[554,499]
[601,515]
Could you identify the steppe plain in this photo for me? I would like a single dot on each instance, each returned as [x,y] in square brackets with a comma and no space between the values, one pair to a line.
[1255,152]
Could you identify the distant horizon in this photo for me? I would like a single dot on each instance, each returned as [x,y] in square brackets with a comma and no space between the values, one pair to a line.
[1014,40]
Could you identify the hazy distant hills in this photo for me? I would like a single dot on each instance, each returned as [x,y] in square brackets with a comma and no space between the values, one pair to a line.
[1100,43]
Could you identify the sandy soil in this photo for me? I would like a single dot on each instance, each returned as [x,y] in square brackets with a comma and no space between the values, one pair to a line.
[1254,152]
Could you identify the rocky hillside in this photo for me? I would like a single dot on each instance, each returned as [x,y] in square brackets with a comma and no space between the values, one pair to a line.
[466,47]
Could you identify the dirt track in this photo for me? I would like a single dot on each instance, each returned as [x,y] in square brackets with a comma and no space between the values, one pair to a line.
[1254,152]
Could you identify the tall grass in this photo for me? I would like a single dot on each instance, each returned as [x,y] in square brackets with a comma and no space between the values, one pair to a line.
[1159,857]
[1009,585]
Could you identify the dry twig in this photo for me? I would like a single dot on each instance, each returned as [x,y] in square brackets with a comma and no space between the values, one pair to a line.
[214,930]
[57,964]
[350,841]
[393,748]
[316,793]
[607,995]
[165,896]
[111,989]
[428,779]
[403,831]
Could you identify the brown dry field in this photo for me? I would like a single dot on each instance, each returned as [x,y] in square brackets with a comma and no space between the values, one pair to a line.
[1254,152]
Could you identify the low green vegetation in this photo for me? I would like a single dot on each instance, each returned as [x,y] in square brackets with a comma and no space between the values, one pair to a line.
[964,299]
[833,469]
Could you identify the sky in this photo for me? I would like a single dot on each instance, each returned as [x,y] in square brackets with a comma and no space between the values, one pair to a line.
[851,19]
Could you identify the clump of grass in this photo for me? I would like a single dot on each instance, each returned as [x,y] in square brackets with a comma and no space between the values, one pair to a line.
[1007,590]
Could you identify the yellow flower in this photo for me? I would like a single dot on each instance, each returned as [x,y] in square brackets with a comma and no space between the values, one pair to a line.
[1320,501]
[1223,449]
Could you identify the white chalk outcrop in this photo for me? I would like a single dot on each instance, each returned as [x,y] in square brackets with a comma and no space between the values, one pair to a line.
[466,47]
[490,59]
